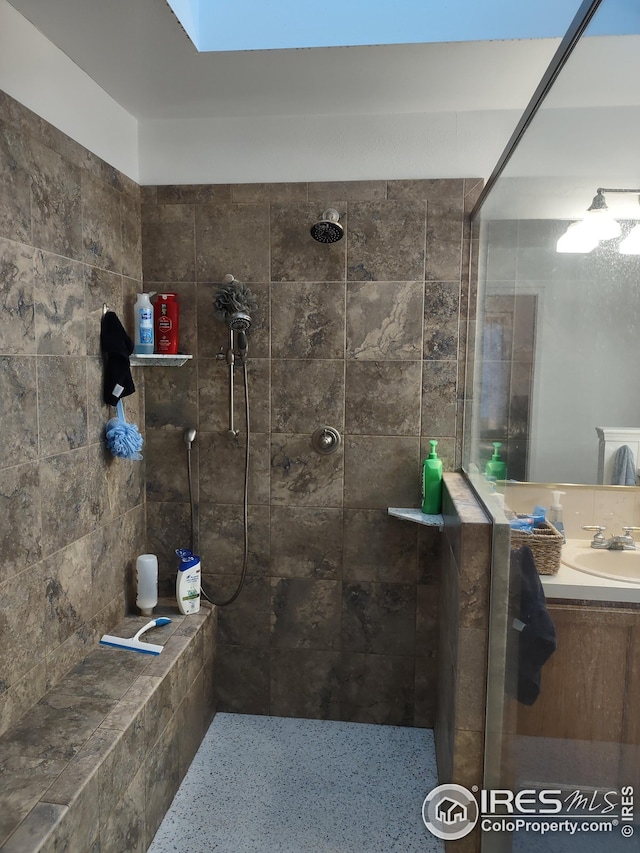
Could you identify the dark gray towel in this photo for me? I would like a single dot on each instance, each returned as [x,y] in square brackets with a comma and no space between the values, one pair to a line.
[624,467]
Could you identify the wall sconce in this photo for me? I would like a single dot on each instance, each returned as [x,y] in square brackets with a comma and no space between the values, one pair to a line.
[598,224]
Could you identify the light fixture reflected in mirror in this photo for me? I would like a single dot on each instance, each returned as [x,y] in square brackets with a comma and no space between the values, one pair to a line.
[598,224]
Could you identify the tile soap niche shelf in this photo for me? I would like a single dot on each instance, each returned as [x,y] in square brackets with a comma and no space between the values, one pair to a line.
[158,360]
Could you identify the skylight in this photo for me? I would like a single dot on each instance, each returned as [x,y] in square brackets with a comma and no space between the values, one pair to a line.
[228,25]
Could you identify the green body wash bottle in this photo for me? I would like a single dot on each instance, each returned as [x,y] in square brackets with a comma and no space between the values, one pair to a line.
[432,482]
[495,468]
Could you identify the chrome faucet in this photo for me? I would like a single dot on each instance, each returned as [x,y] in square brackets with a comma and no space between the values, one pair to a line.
[614,543]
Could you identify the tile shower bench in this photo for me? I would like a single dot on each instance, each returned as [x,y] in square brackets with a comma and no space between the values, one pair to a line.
[94,765]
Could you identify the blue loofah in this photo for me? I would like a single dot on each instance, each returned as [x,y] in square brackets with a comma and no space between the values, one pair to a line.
[123,439]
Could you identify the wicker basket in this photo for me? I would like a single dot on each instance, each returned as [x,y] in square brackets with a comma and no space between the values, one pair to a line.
[546,546]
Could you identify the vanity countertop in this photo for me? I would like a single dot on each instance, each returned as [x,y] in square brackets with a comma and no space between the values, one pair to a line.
[571,583]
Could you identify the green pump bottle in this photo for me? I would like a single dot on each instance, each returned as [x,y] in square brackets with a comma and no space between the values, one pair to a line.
[432,482]
[496,469]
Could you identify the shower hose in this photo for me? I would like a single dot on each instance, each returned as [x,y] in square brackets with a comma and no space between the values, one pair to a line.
[245,504]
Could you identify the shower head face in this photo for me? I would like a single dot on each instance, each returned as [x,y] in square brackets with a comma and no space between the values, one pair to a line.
[189,436]
[328,230]
[239,321]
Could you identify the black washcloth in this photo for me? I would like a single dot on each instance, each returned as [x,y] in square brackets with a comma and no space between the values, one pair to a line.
[117,346]
[536,631]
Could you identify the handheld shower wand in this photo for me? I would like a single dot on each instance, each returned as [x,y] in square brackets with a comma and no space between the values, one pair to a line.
[233,303]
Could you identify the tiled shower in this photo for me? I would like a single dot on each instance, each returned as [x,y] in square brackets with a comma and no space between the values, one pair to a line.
[339,615]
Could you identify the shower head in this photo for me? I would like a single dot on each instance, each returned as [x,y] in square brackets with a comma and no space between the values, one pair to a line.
[239,321]
[189,437]
[233,304]
[328,230]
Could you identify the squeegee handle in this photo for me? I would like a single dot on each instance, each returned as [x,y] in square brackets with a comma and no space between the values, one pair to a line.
[161,620]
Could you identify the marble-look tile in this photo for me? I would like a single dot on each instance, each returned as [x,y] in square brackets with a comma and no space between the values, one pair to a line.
[302,477]
[377,689]
[17,323]
[119,766]
[378,547]
[383,397]
[441,320]
[20,529]
[101,287]
[426,692]
[124,829]
[101,224]
[68,591]
[444,260]
[213,334]
[222,465]
[221,538]
[305,683]
[105,673]
[378,618]
[20,419]
[242,679]
[232,239]
[108,561]
[71,500]
[64,724]
[305,614]
[190,194]
[348,190]
[306,394]
[192,724]
[168,234]
[381,471]
[24,619]
[246,621]
[306,542]
[171,397]
[35,831]
[55,203]
[430,549]
[131,235]
[295,255]
[62,403]
[441,190]
[439,390]
[384,320]
[98,413]
[25,779]
[169,526]
[166,480]
[213,395]
[386,241]
[15,700]
[307,319]
[269,192]
[59,306]
[471,679]
[15,185]
[427,620]
[468,758]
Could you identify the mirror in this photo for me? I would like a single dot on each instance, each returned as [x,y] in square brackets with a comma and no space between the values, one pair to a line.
[558,334]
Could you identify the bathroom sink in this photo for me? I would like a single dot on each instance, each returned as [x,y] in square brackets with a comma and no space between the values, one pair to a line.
[614,565]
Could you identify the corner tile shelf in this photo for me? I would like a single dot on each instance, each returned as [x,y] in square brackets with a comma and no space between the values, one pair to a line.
[417,516]
[157,360]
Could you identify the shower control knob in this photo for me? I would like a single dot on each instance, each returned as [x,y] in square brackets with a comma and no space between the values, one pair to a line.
[326,440]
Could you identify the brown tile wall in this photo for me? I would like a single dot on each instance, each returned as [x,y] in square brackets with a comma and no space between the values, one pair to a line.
[71,518]
[339,615]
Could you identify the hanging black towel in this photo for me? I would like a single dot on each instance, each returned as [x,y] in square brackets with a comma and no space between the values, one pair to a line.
[535,629]
[117,346]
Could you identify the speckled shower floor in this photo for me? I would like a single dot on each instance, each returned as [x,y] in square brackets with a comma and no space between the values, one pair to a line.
[279,785]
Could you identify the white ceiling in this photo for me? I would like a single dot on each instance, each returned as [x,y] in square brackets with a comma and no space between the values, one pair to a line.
[139,54]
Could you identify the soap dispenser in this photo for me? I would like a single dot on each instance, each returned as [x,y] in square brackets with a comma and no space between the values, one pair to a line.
[432,482]
[555,512]
[496,469]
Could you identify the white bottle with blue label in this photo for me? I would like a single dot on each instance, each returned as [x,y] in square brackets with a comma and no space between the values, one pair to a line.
[556,512]
[143,313]
[188,582]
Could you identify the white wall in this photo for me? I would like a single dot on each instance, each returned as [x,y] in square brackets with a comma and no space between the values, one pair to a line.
[37,74]
[323,148]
